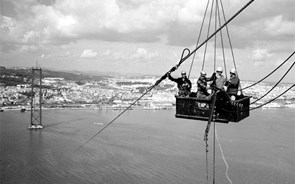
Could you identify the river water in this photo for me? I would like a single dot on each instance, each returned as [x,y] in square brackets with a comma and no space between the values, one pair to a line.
[145,147]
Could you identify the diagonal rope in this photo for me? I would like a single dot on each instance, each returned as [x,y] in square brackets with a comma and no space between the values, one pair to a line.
[253,108]
[149,89]
[270,72]
[273,98]
[275,84]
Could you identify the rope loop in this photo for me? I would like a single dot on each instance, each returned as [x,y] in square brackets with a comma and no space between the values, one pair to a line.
[183,58]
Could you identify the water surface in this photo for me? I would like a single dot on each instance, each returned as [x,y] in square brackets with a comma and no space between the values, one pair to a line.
[145,146]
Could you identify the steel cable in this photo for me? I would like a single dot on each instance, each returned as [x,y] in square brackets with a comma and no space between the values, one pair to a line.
[269,73]
[275,84]
[273,98]
[199,37]
[221,39]
[204,56]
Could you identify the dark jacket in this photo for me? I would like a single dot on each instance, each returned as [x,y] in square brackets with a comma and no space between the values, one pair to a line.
[184,85]
[202,84]
[233,85]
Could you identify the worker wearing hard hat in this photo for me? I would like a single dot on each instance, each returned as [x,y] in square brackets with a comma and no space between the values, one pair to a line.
[232,85]
[183,83]
[220,79]
[202,85]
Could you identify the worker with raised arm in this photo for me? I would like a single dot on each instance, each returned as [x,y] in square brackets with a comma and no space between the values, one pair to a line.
[183,83]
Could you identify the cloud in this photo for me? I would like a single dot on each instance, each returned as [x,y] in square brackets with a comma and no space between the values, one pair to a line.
[110,20]
[63,22]
[134,32]
[88,53]
[106,53]
[144,54]
[131,55]
[260,56]
[8,29]
[30,48]
[278,26]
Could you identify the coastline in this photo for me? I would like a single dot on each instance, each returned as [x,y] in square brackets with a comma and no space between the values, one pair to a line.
[17,108]
[21,109]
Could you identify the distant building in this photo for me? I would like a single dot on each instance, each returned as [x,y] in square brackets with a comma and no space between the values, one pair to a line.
[50,80]
[23,85]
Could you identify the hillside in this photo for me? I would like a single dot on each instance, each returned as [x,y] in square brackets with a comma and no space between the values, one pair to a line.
[13,77]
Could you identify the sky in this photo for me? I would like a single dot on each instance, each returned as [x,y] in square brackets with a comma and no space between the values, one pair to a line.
[147,36]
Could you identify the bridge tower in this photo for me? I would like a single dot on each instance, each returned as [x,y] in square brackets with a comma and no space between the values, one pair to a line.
[36,99]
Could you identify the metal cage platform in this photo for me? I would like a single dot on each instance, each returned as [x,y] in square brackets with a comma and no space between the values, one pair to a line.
[225,110]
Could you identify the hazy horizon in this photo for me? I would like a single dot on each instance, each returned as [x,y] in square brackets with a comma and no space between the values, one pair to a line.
[114,74]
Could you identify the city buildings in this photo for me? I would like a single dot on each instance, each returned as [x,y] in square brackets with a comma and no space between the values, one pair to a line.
[120,92]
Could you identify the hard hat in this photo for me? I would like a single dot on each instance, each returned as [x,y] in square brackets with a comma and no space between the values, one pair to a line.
[233,71]
[219,69]
[183,73]
[203,73]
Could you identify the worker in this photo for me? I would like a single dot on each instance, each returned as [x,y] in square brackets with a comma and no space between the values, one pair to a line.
[220,79]
[202,85]
[232,85]
[183,83]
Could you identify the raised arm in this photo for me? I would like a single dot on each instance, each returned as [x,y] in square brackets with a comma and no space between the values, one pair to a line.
[171,78]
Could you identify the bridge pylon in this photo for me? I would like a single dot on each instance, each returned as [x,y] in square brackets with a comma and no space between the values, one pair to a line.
[36,99]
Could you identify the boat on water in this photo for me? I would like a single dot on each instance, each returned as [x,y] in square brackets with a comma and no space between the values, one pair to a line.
[23,109]
[272,105]
[35,126]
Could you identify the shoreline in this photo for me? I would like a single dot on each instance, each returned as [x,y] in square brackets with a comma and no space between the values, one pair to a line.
[14,108]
